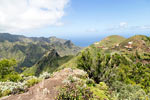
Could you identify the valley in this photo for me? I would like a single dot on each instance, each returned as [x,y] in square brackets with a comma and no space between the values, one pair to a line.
[115,68]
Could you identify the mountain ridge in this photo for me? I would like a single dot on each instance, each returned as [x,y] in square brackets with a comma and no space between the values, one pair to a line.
[28,50]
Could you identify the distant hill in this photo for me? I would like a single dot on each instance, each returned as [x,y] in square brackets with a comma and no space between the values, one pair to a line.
[110,41]
[116,44]
[139,43]
[28,50]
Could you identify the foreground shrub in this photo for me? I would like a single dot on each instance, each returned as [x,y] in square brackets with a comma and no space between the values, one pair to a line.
[45,75]
[8,88]
[7,70]
[83,89]
[128,68]
[75,91]
[13,77]
[12,86]
[128,92]
[32,82]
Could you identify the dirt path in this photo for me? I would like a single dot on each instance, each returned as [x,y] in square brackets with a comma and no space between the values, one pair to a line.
[47,89]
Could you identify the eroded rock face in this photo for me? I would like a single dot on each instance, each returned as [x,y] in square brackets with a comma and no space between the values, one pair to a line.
[47,89]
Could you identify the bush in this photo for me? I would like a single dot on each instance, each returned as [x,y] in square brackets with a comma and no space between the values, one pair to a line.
[75,91]
[6,67]
[15,83]
[0,93]
[90,82]
[128,92]
[6,92]
[127,68]
[32,82]
[83,89]
[45,75]
[11,88]
[14,77]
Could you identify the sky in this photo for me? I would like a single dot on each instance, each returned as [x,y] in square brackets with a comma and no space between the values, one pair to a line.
[82,21]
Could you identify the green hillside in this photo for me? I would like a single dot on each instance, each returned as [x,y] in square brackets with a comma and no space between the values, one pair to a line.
[138,42]
[112,71]
[28,50]
[104,45]
[129,67]
[48,63]
[110,41]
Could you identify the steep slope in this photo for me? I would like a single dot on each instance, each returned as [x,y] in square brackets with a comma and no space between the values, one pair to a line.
[28,50]
[49,63]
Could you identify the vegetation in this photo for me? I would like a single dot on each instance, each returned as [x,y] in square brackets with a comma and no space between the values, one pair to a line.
[110,68]
[9,87]
[126,71]
[7,71]
[49,63]
[76,88]
[116,70]
[110,41]
[27,51]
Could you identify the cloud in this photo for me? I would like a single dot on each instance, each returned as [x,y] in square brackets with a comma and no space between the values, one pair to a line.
[123,25]
[145,27]
[28,14]
[120,26]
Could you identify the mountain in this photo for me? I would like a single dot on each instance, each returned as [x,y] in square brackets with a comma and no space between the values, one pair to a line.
[139,43]
[106,45]
[116,44]
[110,41]
[28,50]
[118,70]
[48,63]
[127,63]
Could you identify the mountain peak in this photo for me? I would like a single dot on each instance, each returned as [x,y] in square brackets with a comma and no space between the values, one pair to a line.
[110,41]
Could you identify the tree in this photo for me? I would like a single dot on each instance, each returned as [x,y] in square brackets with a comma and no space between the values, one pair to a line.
[7,70]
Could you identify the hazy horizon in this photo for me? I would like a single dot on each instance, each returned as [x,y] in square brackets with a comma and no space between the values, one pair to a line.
[83,42]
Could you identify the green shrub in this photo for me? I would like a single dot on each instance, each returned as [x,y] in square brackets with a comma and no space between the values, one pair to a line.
[32,82]
[90,82]
[0,93]
[128,92]
[127,68]
[75,91]
[6,92]
[45,75]
[83,89]
[14,77]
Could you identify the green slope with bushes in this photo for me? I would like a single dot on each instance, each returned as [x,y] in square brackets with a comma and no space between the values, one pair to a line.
[48,63]
[116,71]
[28,50]
[129,67]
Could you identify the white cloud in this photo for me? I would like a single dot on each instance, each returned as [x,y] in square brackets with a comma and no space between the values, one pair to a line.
[28,14]
[145,27]
[123,25]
